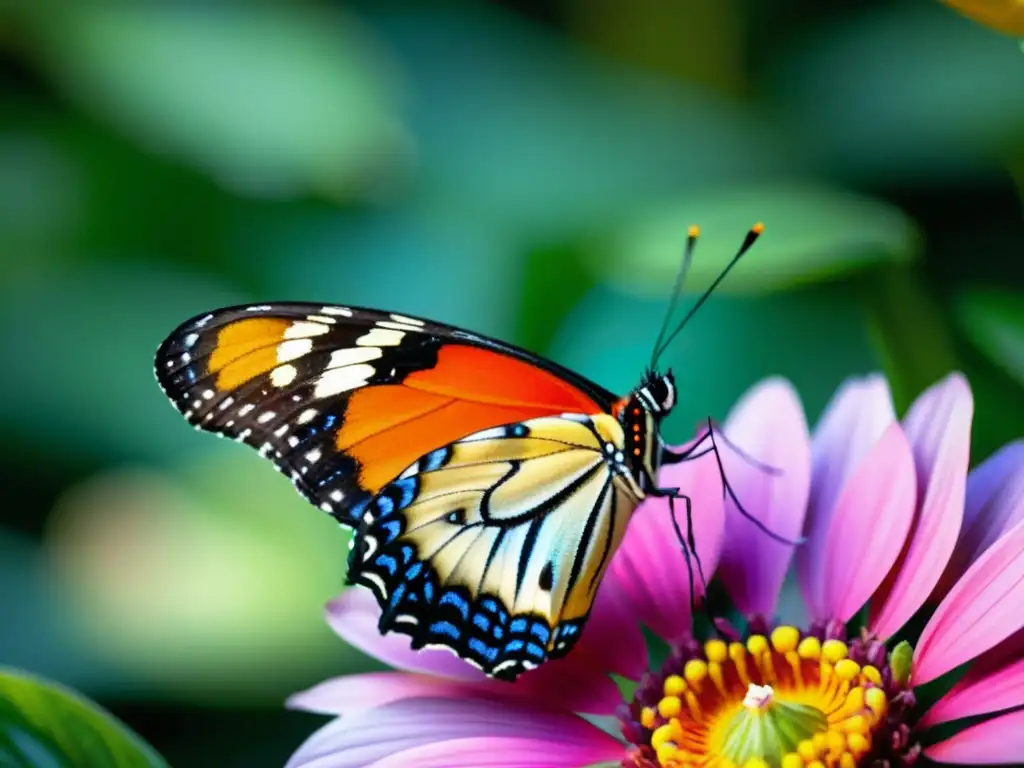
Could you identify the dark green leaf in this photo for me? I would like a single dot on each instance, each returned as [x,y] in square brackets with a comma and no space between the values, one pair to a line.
[994,320]
[267,99]
[520,129]
[43,725]
[907,91]
[811,232]
[910,331]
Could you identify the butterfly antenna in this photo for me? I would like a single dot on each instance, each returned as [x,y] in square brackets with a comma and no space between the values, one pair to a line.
[691,241]
[752,235]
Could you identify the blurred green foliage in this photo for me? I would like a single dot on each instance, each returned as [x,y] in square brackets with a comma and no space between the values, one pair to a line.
[44,725]
[527,169]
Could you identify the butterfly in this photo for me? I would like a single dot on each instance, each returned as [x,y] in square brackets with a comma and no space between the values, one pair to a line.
[487,487]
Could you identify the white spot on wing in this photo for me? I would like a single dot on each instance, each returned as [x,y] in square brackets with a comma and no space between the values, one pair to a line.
[246,409]
[203,321]
[334,381]
[321,319]
[398,326]
[281,431]
[226,403]
[303,329]
[191,339]
[337,495]
[208,394]
[283,375]
[406,320]
[293,348]
[381,337]
[342,311]
[313,456]
[266,416]
[307,416]
[353,355]
[258,308]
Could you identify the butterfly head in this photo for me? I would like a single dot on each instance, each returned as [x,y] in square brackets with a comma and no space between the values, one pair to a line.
[640,414]
[657,393]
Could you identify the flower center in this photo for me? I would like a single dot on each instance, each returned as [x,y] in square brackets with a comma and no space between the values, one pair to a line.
[777,701]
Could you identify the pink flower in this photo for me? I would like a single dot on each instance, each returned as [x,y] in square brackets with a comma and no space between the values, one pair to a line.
[892,520]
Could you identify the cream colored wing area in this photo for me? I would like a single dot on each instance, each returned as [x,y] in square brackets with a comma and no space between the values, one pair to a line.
[494,546]
[529,513]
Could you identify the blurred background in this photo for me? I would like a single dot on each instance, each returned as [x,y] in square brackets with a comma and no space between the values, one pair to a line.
[525,169]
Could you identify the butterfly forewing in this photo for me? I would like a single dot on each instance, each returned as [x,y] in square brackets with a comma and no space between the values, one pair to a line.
[494,545]
[343,399]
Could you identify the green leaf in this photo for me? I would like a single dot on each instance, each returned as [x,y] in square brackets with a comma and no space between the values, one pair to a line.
[269,100]
[811,233]
[43,725]
[993,319]
[517,128]
[902,90]
[96,396]
[910,331]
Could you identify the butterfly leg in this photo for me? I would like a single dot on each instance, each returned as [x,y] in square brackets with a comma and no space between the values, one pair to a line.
[695,452]
[688,544]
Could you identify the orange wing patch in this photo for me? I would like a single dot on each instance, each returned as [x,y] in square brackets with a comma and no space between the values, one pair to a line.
[245,350]
[482,376]
[401,426]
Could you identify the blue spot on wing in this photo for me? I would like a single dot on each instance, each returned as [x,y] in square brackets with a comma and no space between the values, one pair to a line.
[445,629]
[460,604]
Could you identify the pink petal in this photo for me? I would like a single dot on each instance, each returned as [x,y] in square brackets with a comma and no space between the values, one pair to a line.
[869,525]
[508,753]
[995,503]
[854,421]
[1000,740]
[361,738]
[993,682]
[981,610]
[768,425]
[352,693]
[577,682]
[938,426]
[650,568]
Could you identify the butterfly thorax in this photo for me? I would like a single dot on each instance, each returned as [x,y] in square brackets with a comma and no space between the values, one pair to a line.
[640,414]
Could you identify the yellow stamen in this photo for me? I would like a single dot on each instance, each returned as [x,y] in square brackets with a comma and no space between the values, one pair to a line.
[674,685]
[776,701]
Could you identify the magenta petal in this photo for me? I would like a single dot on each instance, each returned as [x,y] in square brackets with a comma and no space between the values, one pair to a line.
[361,738]
[980,611]
[351,693]
[649,569]
[485,752]
[768,425]
[994,682]
[612,635]
[995,503]
[938,426]
[869,525]
[577,682]
[1000,740]
[854,421]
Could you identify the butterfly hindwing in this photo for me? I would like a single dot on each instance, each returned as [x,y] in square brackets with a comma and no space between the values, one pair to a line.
[494,546]
[342,399]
